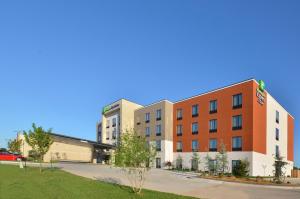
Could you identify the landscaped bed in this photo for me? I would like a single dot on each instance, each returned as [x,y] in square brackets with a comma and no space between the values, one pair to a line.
[29,183]
[249,180]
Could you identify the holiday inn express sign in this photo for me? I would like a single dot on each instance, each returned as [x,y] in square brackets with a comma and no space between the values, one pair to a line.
[260,92]
[109,107]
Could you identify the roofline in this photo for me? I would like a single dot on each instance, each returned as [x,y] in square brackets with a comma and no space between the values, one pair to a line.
[157,102]
[79,139]
[218,89]
[120,99]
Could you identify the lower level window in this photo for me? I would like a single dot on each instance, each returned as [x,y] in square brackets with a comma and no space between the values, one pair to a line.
[235,165]
[158,163]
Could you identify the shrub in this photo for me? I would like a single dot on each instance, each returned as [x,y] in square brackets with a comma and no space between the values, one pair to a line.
[168,164]
[242,169]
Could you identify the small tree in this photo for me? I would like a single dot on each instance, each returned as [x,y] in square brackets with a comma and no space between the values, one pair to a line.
[210,164]
[241,169]
[14,146]
[40,141]
[279,167]
[195,161]
[222,160]
[179,162]
[133,154]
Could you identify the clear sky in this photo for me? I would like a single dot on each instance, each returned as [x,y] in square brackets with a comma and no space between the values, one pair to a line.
[62,61]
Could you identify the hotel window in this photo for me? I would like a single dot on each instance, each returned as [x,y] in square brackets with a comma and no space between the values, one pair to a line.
[213,125]
[179,146]
[195,128]
[114,122]
[277,117]
[147,131]
[277,134]
[195,145]
[213,106]
[236,143]
[235,164]
[195,110]
[114,134]
[158,145]
[237,101]
[277,152]
[158,163]
[158,114]
[213,145]
[147,117]
[158,130]
[237,122]
[179,130]
[107,123]
[179,114]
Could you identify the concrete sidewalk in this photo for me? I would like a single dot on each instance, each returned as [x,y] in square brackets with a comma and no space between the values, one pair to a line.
[185,183]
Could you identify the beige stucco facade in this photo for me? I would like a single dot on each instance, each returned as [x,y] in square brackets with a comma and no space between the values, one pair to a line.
[64,149]
[122,113]
[166,125]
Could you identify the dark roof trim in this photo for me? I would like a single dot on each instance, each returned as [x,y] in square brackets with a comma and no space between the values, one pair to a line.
[83,140]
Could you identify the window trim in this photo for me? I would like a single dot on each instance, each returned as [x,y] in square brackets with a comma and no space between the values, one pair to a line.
[196,114]
[179,150]
[158,118]
[195,132]
[215,110]
[156,133]
[213,130]
[197,149]
[237,148]
[238,105]
[177,130]
[213,149]
[237,127]
[177,110]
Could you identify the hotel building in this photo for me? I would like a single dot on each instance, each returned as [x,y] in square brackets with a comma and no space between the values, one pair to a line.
[116,118]
[242,117]
[155,122]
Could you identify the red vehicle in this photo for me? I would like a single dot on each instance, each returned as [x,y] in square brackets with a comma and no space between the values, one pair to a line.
[7,156]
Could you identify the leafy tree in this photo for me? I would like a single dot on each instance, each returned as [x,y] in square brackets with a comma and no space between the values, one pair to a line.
[279,167]
[241,169]
[195,160]
[222,159]
[14,146]
[133,154]
[3,150]
[40,141]
[210,164]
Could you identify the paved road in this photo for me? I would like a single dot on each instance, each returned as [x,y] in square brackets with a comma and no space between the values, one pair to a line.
[184,184]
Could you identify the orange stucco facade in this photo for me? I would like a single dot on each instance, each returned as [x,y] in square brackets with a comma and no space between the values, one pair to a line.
[253,130]
[290,144]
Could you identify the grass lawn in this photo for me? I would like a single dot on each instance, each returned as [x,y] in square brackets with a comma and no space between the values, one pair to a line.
[18,183]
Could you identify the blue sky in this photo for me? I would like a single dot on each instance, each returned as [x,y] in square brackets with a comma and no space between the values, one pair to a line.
[62,61]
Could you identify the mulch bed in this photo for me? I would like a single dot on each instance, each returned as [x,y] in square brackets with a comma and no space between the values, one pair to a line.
[256,181]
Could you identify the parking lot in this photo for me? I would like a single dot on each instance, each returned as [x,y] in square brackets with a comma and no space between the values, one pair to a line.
[184,183]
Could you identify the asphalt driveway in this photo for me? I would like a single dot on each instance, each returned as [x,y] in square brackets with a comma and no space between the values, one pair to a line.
[184,184]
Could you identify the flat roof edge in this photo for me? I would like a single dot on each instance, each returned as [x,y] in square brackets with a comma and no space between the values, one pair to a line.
[217,89]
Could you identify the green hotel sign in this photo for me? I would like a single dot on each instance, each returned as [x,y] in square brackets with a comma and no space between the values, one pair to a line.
[108,108]
[260,92]
[262,85]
